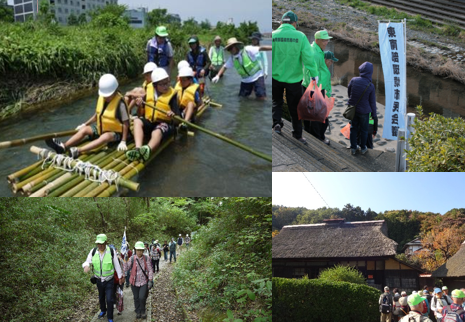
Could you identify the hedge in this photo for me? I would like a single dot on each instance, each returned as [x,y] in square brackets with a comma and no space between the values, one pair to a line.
[313,300]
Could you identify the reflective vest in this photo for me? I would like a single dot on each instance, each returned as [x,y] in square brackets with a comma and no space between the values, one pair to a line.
[248,67]
[199,63]
[178,87]
[106,116]
[163,102]
[187,95]
[158,52]
[217,56]
[105,267]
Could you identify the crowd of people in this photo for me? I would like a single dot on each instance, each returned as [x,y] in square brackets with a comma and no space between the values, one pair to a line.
[151,107]
[296,63]
[112,269]
[427,305]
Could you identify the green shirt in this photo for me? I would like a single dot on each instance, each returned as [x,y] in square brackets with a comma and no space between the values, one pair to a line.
[324,75]
[291,51]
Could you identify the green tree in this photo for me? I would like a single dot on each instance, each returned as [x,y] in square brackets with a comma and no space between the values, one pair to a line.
[6,13]
[157,17]
[205,25]
[82,19]
[45,12]
[191,26]
[72,20]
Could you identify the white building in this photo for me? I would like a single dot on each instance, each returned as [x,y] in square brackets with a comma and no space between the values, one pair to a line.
[25,9]
[137,17]
[413,246]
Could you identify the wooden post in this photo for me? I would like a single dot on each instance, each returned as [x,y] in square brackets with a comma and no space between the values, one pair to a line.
[400,153]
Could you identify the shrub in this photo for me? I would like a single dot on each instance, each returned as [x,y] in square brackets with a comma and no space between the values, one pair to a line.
[438,144]
[316,300]
[341,273]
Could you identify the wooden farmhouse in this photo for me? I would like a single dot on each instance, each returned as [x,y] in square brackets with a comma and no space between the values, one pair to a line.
[308,249]
[452,272]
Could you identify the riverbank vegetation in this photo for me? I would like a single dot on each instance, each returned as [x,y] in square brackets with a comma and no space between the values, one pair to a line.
[41,60]
[46,240]
[441,235]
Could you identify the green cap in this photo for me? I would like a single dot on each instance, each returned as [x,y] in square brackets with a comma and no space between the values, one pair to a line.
[415,299]
[161,31]
[289,17]
[322,34]
[139,245]
[193,40]
[458,294]
[101,239]
[330,55]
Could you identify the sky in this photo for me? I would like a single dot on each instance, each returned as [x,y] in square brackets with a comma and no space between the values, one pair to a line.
[435,192]
[213,10]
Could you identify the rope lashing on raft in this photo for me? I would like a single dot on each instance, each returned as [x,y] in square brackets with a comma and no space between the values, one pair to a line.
[126,164]
[90,171]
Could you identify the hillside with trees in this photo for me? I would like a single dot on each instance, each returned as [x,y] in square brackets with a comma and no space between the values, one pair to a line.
[441,235]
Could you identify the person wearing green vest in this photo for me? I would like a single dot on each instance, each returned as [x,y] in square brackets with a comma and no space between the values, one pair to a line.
[318,129]
[216,54]
[255,38]
[291,51]
[246,62]
[105,262]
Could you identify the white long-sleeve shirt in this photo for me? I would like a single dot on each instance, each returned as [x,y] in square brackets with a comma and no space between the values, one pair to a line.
[437,304]
[115,262]
[263,61]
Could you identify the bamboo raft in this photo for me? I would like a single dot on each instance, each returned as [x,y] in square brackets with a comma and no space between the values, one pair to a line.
[103,172]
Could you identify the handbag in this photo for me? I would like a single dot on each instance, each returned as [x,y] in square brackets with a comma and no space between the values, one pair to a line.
[349,112]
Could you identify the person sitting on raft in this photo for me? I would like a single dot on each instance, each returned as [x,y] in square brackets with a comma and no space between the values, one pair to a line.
[154,125]
[189,98]
[110,123]
[130,97]
[245,61]
[181,65]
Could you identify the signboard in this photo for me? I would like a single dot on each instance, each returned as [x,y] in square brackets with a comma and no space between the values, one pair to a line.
[392,50]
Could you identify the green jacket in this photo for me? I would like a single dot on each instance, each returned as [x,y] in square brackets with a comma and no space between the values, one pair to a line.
[291,50]
[324,75]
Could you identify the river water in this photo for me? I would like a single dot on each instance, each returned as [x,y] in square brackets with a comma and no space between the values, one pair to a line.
[191,166]
[436,94]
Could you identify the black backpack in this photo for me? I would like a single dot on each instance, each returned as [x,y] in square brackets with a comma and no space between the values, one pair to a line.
[385,306]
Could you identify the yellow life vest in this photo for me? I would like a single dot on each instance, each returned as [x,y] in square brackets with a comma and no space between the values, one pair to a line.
[178,87]
[106,117]
[187,95]
[163,102]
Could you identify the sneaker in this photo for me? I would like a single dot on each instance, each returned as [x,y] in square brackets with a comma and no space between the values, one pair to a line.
[74,152]
[359,148]
[364,150]
[56,145]
[183,127]
[138,316]
[133,155]
[101,315]
[353,151]
[145,152]
[144,316]
[325,141]
[277,128]
[302,140]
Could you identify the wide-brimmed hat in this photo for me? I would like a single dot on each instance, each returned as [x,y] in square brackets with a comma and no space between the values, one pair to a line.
[322,34]
[256,35]
[403,301]
[231,42]
[330,55]
[217,38]
[101,239]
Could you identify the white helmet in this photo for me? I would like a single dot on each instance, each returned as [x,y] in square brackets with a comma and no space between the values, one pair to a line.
[183,63]
[107,85]
[159,74]
[186,72]
[149,67]
[187,235]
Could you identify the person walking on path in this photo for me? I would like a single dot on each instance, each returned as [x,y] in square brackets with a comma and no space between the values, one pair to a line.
[385,305]
[105,263]
[361,90]
[127,256]
[445,295]
[318,129]
[172,249]
[180,242]
[437,304]
[455,310]
[187,240]
[166,250]
[141,278]
[291,51]
[416,303]
[155,255]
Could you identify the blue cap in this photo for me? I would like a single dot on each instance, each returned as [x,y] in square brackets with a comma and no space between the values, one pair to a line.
[437,290]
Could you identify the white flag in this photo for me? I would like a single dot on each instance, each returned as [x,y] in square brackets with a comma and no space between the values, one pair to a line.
[124,247]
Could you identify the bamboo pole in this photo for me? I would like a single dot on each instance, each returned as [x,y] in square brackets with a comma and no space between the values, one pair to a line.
[14,177]
[8,144]
[217,135]
[122,182]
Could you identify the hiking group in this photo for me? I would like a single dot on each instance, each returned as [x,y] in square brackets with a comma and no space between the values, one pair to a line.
[422,306]
[112,269]
[151,108]
[300,68]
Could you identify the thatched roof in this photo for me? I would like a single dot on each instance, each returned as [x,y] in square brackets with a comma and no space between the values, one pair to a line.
[334,239]
[454,267]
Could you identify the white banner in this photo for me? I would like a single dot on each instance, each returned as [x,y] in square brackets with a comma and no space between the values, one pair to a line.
[392,50]
[124,248]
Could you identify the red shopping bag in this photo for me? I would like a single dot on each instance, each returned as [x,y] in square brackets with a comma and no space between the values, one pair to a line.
[313,106]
